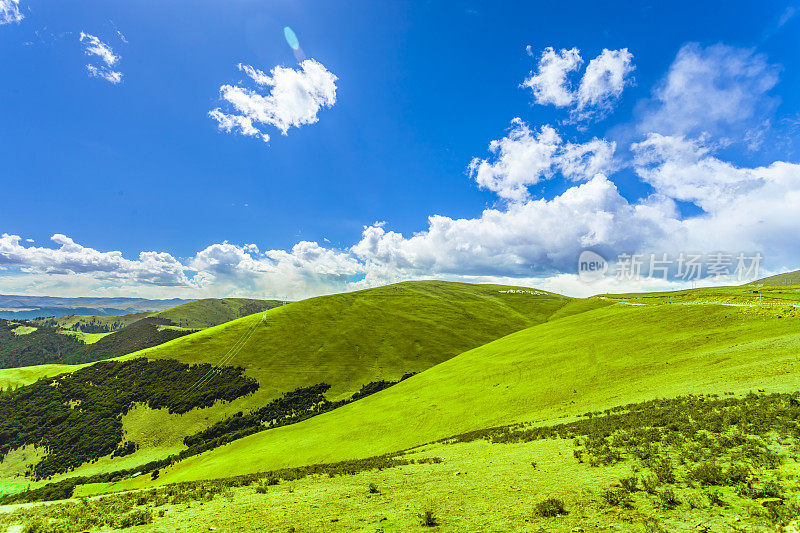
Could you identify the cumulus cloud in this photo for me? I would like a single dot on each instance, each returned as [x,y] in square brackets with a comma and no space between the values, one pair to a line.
[602,84]
[295,98]
[533,236]
[526,157]
[685,170]
[530,241]
[603,81]
[549,84]
[93,46]
[155,268]
[719,90]
[9,11]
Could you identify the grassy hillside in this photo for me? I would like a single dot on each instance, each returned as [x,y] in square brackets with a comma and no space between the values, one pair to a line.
[350,339]
[197,314]
[26,345]
[607,357]
[346,340]
[496,434]
[82,338]
[742,294]
[214,311]
[789,278]
[91,323]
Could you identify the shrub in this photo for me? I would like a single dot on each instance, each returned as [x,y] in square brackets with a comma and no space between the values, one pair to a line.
[616,497]
[668,498]
[139,517]
[551,507]
[662,468]
[631,484]
[697,501]
[738,473]
[373,488]
[650,483]
[428,518]
[715,498]
[651,525]
[709,473]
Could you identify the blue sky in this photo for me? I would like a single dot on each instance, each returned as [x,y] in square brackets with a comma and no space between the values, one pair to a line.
[420,90]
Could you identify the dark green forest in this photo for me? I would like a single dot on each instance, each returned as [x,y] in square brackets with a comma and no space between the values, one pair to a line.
[77,417]
[47,345]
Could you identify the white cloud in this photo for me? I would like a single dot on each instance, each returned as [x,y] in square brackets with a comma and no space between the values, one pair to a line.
[295,98]
[526,241]
[719,90]
[605,78]
[603,81]
[155,268]
[526,157]
[684,170]
[95,47]
[549,84]
[9,11]
[534,236]
[107,74]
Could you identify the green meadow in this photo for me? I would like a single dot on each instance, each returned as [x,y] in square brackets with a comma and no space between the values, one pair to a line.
[519,410]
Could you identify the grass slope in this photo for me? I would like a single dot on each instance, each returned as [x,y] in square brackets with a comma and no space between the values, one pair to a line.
[91,323]
[606,357]
[742,294]
[788,278]
[350,339]
[214,311]
[79,338]
[346,340]
[197,314]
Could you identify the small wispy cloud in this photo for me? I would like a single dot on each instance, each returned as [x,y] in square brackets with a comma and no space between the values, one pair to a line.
[95,47]
[9,11]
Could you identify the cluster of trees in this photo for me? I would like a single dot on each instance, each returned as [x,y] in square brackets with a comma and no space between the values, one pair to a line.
[292,407]
[77,417]
[47,345]
[137,336]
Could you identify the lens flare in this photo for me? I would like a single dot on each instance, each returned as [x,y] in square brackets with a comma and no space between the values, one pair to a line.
[291,38]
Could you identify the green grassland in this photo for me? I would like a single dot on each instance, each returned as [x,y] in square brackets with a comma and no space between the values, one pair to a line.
[345,340]
[744,294]
[354,338]
[197,314]
[79,339]
[486,358]
[23,330]
[91,323]
[86,338]
[599,359]
[789,278]
[213,311]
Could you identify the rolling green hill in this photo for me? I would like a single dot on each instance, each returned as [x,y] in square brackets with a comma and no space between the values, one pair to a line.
[741,294]
[350,339]
[22,344]
[344,340]
[789,278]
[209,312]
[82,338]
[197,314]
[506,412]
[599,359]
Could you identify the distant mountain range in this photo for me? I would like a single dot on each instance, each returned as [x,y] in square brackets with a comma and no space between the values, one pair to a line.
[26,307]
